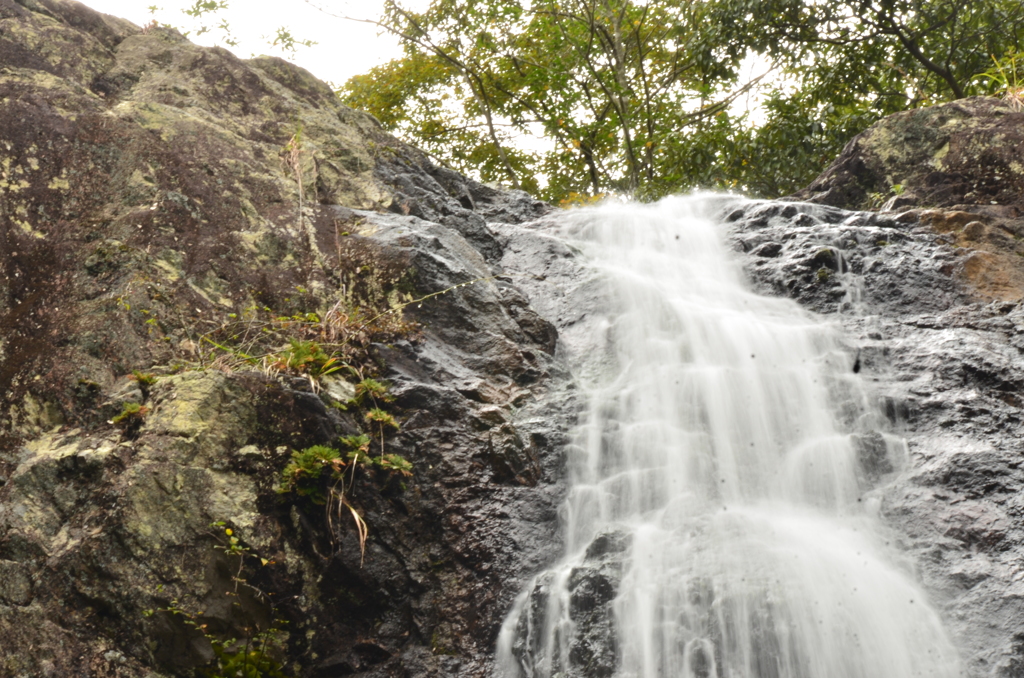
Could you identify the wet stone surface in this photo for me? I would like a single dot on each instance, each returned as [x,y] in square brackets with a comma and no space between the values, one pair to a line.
[946,365]
[945,369]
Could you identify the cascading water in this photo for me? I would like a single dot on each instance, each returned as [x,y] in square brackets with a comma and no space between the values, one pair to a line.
[718,465]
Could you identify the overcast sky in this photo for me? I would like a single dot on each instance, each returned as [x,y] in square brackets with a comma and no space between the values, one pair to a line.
[345,48]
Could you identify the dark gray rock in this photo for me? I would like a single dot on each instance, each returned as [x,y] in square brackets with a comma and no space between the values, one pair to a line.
[947,369]
[593,586]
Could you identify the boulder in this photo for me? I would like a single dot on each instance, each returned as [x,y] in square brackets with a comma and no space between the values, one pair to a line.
[967,153]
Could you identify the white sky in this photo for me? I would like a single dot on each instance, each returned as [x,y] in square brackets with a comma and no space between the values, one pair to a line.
[345,48]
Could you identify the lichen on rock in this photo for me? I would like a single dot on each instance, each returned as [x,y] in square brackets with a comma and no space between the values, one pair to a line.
[161,203]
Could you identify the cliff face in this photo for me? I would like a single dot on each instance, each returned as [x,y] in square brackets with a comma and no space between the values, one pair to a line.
[961,165]
[177,212]
[174,211]
[965,154]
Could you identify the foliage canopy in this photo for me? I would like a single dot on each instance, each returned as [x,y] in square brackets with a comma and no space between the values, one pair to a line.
[571,98]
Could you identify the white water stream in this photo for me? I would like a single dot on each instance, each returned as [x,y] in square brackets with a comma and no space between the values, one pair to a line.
[718,439]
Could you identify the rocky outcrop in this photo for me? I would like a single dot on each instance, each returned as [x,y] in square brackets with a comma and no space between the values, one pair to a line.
[178,213]
[960,165]
[161,205]
[965,154]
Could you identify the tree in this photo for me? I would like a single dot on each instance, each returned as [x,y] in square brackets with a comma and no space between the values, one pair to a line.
[601,86]
[855,62]
[567,97]
[570,98]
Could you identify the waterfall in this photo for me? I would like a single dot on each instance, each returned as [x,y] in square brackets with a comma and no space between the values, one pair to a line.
[722,517]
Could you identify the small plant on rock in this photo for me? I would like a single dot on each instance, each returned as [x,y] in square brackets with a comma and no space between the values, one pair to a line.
[394,462]
[373,391]
[1007,75]
[305,357]
[383,420]
[337,336]
[131,418]
[144,380]
[246,658]
[304,474]
[326,476]
[254,655]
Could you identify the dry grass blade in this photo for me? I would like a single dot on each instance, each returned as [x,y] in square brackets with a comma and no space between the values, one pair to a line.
[362,530]
[335,505]
[401,306]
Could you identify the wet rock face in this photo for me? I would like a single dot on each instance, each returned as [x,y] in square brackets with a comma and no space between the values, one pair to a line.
[150,191]
[945,363]
[945,370]
[830,259]
[959,167]
[593,586]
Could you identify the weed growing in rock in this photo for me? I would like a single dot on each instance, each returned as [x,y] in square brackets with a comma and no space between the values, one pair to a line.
[326,475]
[312,344]
[1007,74]
[383,420]
[131,418]
[880,200]
[292,155]
[304,474]
[305,344]
[372,390]
[247,658]
[305,357]
[254,654]
[144,380]
[395,462]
